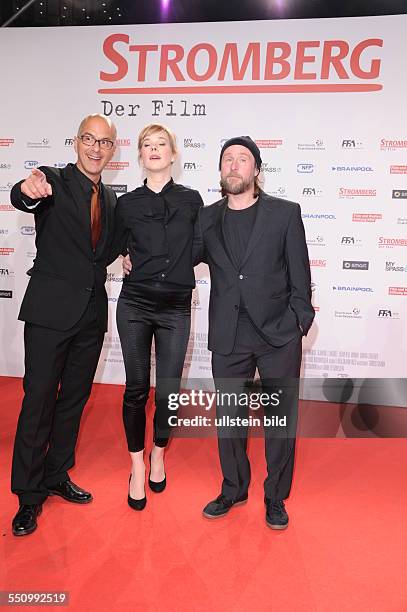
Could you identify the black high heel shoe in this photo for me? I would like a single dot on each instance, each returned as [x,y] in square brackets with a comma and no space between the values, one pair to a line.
[156,487]
[136,504]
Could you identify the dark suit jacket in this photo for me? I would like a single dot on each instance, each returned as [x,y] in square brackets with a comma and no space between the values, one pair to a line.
[66,270]
[273,279]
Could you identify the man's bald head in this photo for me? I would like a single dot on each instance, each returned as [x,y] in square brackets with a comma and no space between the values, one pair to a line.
[109,122]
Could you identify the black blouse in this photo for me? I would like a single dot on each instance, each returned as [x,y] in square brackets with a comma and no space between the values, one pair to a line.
[157,230]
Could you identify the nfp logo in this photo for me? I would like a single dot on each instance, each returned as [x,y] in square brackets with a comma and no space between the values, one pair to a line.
[29,164]
[27,230]
[305,168]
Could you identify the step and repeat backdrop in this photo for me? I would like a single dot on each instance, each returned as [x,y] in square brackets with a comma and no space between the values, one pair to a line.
[325,100]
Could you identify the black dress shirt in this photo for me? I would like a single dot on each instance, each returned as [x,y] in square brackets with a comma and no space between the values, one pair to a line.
[157,230]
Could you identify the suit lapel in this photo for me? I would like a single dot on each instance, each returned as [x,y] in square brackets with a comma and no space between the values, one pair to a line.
[220,229]
[80,201]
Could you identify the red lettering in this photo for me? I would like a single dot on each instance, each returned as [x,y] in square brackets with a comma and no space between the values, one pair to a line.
[167,63]
[115,57]
[212,62]
[301,59]
[280,60]
[142,62]
[230,55]
[374,71]
[328,58]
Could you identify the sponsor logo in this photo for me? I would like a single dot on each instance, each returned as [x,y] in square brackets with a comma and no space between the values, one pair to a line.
[399,194]
[317,241]
[192,166]
[352,289]
[39,144]
[7,208]
[351,192]
[387,313]
[27,230]
[391,266]
[390,243]
[305,168]
[123,142]
[5,294]
[279,192]
[397,290]
[3,232]
[214,190]
[6,272]
[316,145]
[351,143]
[352,169]
[69,142]
[269,144]
[6,250]
[392,145]
[318,216]
[190,143]
[59,164]
[351,241]
[118,188]
[30,163]
[267,168]
[5,166]
[113,278]
[6,142]
[317,263]
[398,169]
[6,187]
[117,165]
[355,265]
[366,217]
[112,299]
[201,281]
[348,314]
[402,221]
[311,192]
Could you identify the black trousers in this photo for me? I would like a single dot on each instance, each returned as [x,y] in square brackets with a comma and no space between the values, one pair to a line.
[59,371]
[279,370]
[147,312]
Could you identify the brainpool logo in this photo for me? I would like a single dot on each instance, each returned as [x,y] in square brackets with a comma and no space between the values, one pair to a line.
[305,168]
[352,289]
[352,169]
[318,216]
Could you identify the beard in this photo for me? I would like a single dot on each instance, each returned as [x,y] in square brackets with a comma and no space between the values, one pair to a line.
[232,186]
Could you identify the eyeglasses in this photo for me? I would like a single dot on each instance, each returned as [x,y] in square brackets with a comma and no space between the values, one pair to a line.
[89,141]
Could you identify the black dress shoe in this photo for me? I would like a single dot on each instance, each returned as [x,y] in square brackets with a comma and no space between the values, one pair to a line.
[157,487]
[221,506]
[25,521]
[276,515]
[71,492]
[136,504]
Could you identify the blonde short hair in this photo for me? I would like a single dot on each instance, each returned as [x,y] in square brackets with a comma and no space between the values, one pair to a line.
[153,128]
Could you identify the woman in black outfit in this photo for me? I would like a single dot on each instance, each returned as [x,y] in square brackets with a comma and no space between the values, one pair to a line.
[155,222]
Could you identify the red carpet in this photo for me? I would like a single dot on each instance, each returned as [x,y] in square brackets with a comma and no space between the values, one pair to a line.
[345,548]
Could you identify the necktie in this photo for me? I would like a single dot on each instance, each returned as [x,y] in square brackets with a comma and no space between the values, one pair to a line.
[95,216]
